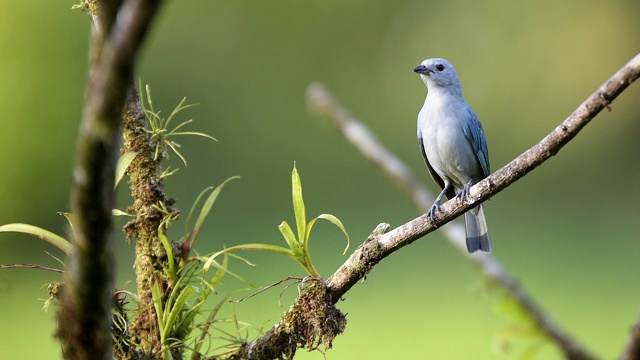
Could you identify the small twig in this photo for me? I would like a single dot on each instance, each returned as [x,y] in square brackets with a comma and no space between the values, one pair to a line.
[269,287]
[30,266]
[57,259]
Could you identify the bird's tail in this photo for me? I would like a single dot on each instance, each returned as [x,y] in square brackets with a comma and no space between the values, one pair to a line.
[476,230]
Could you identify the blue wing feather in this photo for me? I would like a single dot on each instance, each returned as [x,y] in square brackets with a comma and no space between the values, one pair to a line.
[475,135]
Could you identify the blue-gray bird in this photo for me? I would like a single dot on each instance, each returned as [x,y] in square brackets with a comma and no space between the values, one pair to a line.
[453,145]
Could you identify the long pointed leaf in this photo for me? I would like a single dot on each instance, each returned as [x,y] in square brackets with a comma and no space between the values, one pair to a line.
[206,208]
[215,280]
[184,123]
[187,223]
[53,239]
[157,304]
[333,220]
[173,295]
[149,99]
[217,277]
[69,218]
[184,327]
[180,303]
[194,133]
[296,247]
[298,205]
[177,109]
[174,147]
[123,164]
[172,263]
[217,265]
[250,247]
[307,235]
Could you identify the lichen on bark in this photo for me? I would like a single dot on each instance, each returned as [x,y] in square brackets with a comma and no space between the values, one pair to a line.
[148,199]
[312,322]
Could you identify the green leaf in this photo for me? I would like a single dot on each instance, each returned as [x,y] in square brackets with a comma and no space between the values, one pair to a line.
[215,264]
[298,205]
[172,263]
[194,133]
[149,99]
[123,164]
[290,238]
[69,218]
[168,172]
[118,212]
[174,147]
[250,247]
[183,328]
[184,123]
[241,259]
[171,298]
[180,303]
[157,304]
[307,235]
[217,277]
[177,109]
[335,221]
[53,239]
[187,223]
[210,285]
[206,208]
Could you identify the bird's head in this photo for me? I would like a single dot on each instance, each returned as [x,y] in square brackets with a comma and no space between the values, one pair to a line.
[438,73]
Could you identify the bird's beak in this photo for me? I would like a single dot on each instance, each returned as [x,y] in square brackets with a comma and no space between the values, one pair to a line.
[421,69]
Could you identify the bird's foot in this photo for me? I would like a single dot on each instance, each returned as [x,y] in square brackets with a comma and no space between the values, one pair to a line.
[464,193]
[436,207]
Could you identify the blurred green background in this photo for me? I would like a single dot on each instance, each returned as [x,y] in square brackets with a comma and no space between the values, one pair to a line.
[568,231]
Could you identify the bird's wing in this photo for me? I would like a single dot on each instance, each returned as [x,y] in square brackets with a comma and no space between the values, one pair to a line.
[450,194]
[474,133]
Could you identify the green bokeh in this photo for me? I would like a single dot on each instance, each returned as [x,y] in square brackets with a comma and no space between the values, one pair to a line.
[568,231]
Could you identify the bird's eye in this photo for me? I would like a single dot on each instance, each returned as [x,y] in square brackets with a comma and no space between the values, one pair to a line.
[439,67]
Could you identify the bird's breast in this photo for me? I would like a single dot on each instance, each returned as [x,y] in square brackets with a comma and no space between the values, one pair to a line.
[446,146]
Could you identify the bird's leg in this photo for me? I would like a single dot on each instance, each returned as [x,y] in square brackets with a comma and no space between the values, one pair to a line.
[464,193]
[436,204]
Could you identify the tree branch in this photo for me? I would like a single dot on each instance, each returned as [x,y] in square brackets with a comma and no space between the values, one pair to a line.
[321,100]
[343,279]
[149,198]
[84,317]
[377,248]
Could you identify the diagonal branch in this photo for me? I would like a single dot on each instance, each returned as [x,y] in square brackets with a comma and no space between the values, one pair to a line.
[344,278]
[322,101]
[377,248]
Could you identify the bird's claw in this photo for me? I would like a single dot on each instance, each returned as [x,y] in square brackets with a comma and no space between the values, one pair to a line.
[464,193]
[434,209]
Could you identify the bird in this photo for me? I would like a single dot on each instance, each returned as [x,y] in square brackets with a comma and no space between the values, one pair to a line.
[453,145]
